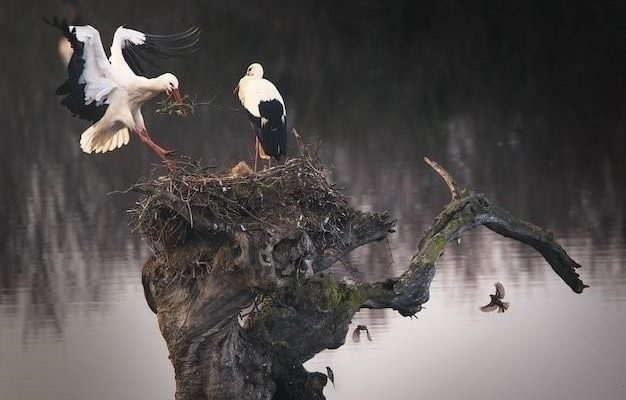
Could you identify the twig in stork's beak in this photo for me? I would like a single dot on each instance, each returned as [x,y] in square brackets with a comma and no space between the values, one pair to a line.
[175,93]
[236,90]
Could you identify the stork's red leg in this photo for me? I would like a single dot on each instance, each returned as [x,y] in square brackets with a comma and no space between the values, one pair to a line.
[256,151]
[262,155]
[153,146]
[158,150]
[162,150]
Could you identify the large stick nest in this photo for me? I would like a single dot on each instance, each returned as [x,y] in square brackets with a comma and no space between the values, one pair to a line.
[190,200]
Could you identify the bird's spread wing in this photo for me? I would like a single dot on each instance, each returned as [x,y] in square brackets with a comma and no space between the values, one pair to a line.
[137,50]
[356,335]
[489,308]
[499,290]
[90,77]
[331,375]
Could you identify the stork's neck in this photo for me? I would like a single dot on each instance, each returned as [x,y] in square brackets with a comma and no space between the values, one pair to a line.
[147,88]
[242,85]
[244,80]
[248,78]
[158,84]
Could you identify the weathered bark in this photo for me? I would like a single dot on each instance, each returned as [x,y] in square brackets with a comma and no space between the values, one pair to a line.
[293,309]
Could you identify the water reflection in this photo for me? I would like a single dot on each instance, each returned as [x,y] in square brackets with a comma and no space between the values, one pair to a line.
[522,100]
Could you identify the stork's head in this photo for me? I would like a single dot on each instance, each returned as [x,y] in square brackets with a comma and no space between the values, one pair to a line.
[170,86]
[168,83]
[255,70]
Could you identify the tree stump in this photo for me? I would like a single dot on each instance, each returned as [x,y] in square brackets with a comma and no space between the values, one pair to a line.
[238,279]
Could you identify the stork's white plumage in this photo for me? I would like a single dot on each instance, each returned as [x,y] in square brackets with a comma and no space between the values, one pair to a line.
[267,113]
[110,92]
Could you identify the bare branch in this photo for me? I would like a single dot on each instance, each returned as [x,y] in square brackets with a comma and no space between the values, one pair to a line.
[446,177]
[299,143]
[406,293]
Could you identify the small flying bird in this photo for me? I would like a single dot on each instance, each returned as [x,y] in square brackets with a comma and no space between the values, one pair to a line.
[496,302]
[331,375]
[356,335]
[267,113]
[110,92]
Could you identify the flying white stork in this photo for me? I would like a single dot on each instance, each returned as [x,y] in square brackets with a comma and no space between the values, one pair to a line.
[267,113]
[110,92]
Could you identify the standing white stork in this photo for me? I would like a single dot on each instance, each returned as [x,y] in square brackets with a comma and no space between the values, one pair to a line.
[267,113]
[110,93]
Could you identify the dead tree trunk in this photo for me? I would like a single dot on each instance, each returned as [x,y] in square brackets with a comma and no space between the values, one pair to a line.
[238,283]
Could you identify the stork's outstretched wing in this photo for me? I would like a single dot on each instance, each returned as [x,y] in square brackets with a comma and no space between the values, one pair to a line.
[136,50]
[90,77]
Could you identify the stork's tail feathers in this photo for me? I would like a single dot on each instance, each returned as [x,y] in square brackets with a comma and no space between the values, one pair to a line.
[94,140]
[273,129]
[505,306]
[274,142]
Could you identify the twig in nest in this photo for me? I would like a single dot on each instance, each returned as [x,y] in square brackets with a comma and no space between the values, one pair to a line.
[299,143]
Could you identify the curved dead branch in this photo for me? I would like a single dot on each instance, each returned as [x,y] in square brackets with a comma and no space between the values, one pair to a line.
[454,191]
[466,211]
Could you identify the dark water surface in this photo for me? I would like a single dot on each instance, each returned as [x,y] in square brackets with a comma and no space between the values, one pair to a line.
[523,101]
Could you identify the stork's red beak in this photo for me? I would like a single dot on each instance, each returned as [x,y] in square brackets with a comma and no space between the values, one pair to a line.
[175,93]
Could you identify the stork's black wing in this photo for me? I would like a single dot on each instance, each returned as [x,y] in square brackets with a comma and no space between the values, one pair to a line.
[142,50]
[273,128]
[74,89]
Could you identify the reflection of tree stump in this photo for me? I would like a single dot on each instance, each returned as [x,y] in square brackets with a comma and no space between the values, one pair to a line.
[238,282]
